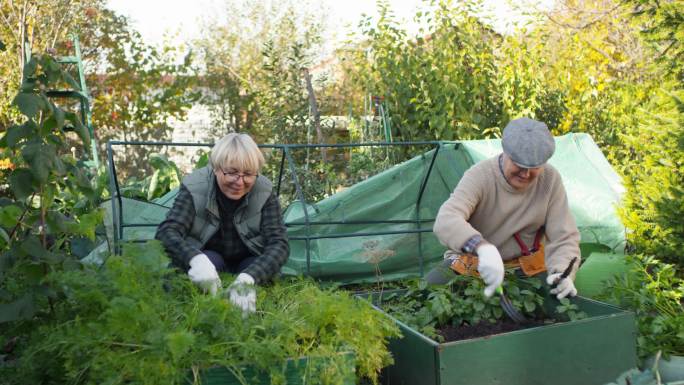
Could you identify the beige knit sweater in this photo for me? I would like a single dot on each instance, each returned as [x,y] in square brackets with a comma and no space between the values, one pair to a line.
[484,203]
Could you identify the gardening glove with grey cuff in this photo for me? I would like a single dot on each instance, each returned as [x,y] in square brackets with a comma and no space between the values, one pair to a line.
[203,273]
[564,287]
[242,293]
[490,266]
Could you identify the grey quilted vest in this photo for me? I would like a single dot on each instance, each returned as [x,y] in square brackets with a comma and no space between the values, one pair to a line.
[247,219]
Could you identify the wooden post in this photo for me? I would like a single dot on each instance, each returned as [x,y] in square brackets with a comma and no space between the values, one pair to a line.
[314,111]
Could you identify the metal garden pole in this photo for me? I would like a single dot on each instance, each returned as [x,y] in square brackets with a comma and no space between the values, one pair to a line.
[300,194]
[423,184]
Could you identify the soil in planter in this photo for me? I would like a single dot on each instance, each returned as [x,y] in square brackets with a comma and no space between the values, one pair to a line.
[483,329]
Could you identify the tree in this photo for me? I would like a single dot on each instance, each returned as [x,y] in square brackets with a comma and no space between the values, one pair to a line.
[654,208]
[253,68]
[136,88]
[662,26]
[594,62]
[44,25]
[440,84]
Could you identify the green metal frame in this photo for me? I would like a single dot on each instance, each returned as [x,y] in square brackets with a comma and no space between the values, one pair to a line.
[286,149]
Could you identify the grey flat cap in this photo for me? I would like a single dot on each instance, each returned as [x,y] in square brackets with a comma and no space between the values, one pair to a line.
[528,142]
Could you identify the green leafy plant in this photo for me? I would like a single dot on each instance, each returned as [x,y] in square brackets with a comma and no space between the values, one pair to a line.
[653,208]
[654,292]
[569,310]
[461,302]
[438,84]
[137,321]
[165,177]
[52,199]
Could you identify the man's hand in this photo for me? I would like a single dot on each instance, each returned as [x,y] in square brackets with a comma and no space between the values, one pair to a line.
[243,293]
[564,286]
[490,266]
[203,273]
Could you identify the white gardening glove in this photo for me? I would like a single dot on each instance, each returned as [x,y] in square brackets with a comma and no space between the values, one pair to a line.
[243,293]
[490,266]
[203,273]
[564,287]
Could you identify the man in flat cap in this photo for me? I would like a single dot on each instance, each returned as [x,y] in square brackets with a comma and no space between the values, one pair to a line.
[511,209]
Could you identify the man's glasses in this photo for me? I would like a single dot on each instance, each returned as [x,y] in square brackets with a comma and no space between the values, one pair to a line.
[234,175]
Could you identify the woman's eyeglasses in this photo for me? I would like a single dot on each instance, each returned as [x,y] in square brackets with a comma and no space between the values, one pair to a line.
[234,175]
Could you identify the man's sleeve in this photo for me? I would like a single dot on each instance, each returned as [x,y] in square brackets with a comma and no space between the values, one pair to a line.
[176,226]
[451,225]
[276,247]
[562,234]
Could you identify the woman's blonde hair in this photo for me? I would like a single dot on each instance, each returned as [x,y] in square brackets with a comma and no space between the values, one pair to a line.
[238,151]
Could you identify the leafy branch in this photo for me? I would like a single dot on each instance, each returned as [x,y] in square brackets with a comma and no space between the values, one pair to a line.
[46,184]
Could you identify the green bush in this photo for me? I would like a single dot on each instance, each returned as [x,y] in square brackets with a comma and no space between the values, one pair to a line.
[652,290]
[653,210]
[50,202]
[441,83]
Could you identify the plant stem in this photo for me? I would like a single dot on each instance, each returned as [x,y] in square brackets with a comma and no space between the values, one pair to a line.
[11,234]
[129,345]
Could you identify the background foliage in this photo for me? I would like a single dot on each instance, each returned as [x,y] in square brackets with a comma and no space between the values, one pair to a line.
[253,60]
[136,88]
[438,84]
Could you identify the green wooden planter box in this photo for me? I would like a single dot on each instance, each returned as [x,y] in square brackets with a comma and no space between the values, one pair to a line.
[594,350]
[300,371]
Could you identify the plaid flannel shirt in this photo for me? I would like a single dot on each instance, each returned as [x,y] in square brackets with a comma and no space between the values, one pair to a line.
[173,230]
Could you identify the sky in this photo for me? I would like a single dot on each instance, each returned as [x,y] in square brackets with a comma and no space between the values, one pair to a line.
[179,20]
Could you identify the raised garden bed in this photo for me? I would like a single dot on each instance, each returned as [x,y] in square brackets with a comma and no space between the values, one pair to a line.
[593,350]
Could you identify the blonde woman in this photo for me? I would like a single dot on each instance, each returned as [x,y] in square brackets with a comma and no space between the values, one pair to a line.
[226,218]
